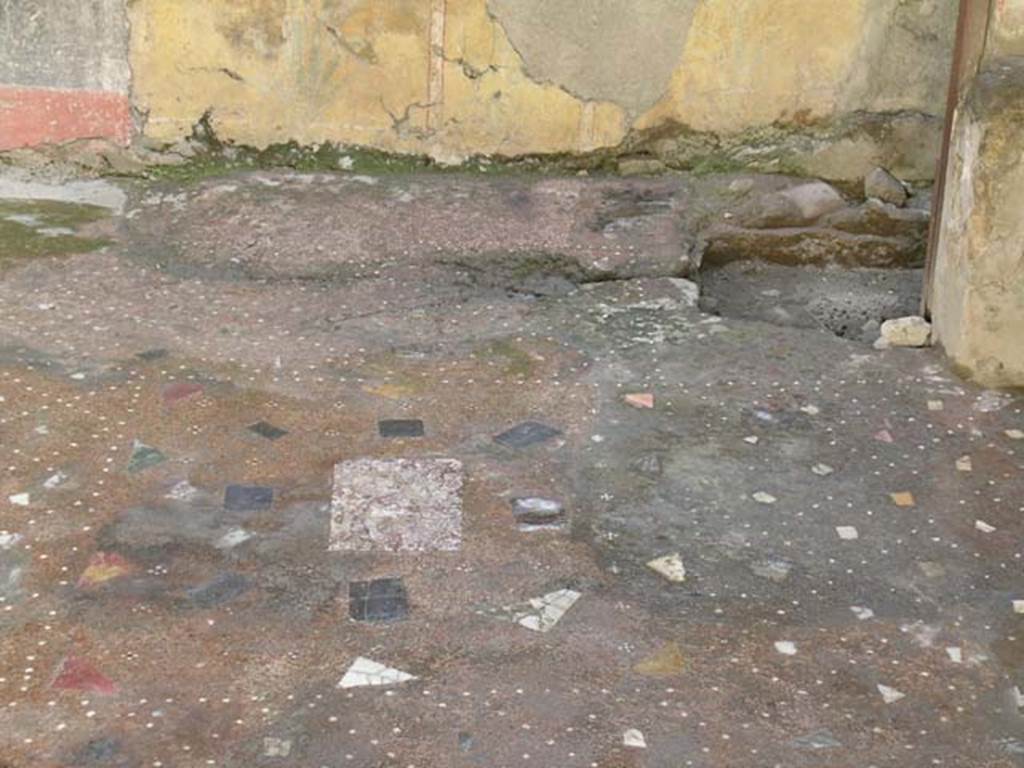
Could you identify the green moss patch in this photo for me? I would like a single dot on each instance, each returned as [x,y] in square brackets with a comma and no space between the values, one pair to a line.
[40,228]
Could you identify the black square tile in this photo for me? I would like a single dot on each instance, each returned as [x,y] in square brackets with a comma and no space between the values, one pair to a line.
[400,428]
[267,430]
[378,600]
[247,498]
[526,434]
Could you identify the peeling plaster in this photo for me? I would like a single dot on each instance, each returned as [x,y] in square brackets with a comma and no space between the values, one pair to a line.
[618,51]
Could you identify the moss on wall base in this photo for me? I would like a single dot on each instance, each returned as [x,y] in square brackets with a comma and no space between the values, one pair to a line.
[843,150]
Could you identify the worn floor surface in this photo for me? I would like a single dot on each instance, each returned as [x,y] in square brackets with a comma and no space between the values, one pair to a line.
[253,511]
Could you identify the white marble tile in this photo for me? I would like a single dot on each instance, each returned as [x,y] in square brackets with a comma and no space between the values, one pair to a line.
[543,613]
[890,695]
[634,738]
[669,566]
[366,672]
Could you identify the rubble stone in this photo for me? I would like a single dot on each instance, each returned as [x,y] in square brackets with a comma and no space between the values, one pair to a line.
[797,206]
[882,185]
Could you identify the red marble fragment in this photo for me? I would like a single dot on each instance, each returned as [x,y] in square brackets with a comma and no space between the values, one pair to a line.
[181,390]
[77,674]
[640,399]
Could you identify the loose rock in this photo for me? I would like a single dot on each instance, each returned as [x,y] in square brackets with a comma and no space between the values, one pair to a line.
[912,331]
[882,185]
[798,206]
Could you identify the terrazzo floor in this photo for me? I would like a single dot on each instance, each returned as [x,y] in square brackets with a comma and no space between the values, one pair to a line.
[274,494]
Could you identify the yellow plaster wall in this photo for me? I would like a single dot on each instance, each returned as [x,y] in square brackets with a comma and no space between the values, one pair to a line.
[442,77]
[749,63]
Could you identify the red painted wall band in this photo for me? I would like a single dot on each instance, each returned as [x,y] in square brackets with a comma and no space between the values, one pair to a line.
[34,116]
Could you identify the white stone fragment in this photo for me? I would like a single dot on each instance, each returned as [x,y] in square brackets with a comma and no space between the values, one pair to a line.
[785,647]
[365,672]
[862,613]
[1018,697]
[1018,606]
[1015,434]
[822,470]
[183,491]
[276,747]
[761,497]
[752,439]
[935,405]
[233,538]
[890,695]
[811,410]
[964,464]
[912,331]
[544,612]
[669,566]
[55,480]
[634,738]
[8,539]
[956,655]
[19,499]
[984,527]
[847,532]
